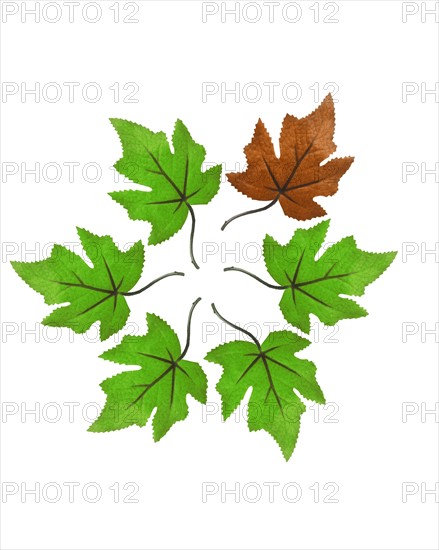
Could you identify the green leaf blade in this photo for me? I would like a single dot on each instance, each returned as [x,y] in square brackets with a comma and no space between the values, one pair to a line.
[319,286]
[162,382]
[275,374]
[175,179]
[93,293]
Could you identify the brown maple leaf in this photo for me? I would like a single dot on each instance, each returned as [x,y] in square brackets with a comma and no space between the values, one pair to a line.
[297,176]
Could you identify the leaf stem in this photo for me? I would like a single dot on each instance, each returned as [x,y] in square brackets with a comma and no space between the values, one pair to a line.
[266,207]
[191,239]
[249,334]
[188,337]
[276,287]
[133,293]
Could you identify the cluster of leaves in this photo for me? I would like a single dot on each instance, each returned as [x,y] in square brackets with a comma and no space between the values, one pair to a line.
[174,182]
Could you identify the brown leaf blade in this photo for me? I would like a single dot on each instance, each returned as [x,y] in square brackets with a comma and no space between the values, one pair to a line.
[297,176]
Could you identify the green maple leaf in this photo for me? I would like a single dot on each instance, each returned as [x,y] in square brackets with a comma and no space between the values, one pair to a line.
[317,286]
[175,180]
[163,381]
[275,374]
[94,293]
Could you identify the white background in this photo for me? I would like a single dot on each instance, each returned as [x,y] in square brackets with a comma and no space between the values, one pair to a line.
[368,373]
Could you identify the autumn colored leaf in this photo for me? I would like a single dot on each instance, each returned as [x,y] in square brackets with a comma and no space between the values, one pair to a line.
[95,293]
[163,381]
[276,377]
[319,286]
[174,180]
[297,176]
